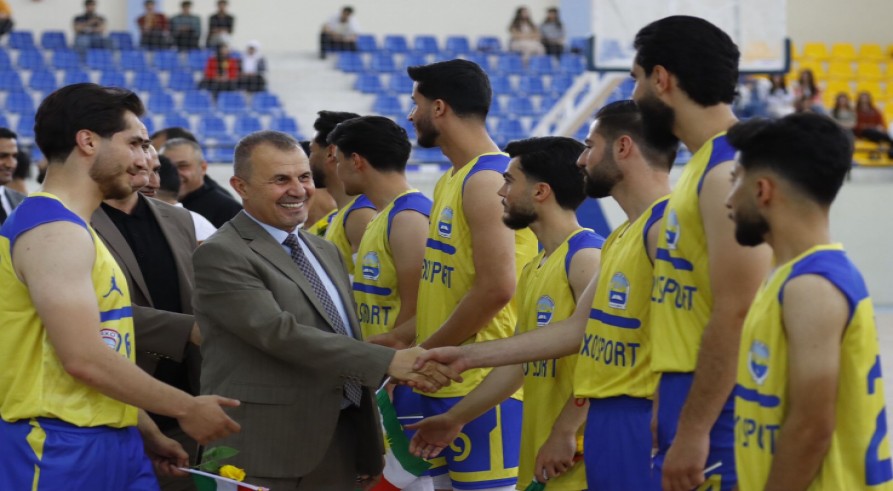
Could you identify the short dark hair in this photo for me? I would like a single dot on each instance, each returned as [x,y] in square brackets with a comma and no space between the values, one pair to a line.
[168,179]
[89,2]
[809,150]
[8,134]
[81,107]
[326,122]
[347,8]
[23,166]
[245,147]
[702,57]
[624,118]
[378,139]
[174,132]
[552,160]
[460,83]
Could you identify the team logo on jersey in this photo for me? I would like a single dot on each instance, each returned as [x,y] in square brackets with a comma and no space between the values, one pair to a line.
[545,307]
[618,291]
[673,230]
[371,266]
[111,338]
[445,224]
[113,287]
[758,361]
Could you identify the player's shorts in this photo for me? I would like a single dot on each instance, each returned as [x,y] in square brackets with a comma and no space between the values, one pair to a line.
[408,406]
[486,454]
[49,454]
[617,445]
[672,393]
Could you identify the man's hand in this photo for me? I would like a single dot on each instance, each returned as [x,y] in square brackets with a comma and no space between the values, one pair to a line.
[433,435]
[428,378]
[167,455]
[685,462]
[205,421]
[451,356]
[195,336]
[556,456]
[367,482]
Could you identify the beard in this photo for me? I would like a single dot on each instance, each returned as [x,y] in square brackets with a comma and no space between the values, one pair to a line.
[427,133]
[113,183]
[602,179]
[657,122]
[517,218]
[750,229]
[319,177]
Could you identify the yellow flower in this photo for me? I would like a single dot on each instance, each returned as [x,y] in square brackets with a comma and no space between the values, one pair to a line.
[232,472]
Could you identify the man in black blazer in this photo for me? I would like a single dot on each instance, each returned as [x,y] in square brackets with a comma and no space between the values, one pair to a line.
[9,150]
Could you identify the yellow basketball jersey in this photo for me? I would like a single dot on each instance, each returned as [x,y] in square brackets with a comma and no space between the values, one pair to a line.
[545,296]
[681,299]
[33,382]
[336,234]
[859,456]
[375,284]
[615,356]
[448,267]
[319,228]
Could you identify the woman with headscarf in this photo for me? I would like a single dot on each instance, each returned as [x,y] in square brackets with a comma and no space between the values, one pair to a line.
[254,65]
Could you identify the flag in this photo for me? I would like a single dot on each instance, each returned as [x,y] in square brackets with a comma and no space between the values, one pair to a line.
[205,481]
[402,467]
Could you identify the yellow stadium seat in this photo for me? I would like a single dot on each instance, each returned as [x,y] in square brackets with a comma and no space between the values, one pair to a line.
[841,70]
[815,51]
[873,88]
[836,87]
[871,52]
[817,67]
[843,52]
[869,71]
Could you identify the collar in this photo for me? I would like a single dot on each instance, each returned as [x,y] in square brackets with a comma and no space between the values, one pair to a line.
[278,235]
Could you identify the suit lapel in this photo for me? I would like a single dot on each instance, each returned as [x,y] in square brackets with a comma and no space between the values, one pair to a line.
[120,248]
[330,264]
[166,222]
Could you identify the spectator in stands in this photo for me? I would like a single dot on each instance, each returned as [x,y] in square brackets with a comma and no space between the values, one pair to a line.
[524,36]
[186,27]
[870,124]
[843,111]
[6,22]
[220,26]
[779,100]
[89,28]
[254,65]
[221,71]
[807,96]
[154,28]
[552,31]
[339,33]
[164,185]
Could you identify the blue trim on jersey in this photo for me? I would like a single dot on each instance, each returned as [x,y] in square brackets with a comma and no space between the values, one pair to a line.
[412,201]
[614,320]
[722,151]
[836,267]
[361,202]
[496,162]
[440,246]
[370,289]
[677,262]
[586,239]
[33,212]
[115,314]
[657,212]
[751,395]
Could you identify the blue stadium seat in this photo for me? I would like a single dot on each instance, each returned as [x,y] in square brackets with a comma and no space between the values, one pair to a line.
[368,83]
[161,102]
[560,83]
[285,124]
[149,122]
[21,40]
[531,85]
[350,62]
[25,126]
[541,65]
[122,40]
[166,60]
[510,63]
[501,84]
[181,80]
[197,59]
[547,102]
[489,44]
[428,155]
[100,59]
[572,64]
[388,105]
[10,80]
[146,81]
[265,102]
[31,59]
[53,40]
[395,43]
[496,108]
[232,103]
[509,129]
[4,122]
[400,83]
[482,59]
[5,61]
[198,102]
[382,62]
[408,127]
[222,152]
[413,59]
[246,124]
[176,120]
[521,106]
[134,60]
[425,44]
[457,45]
[211,126]
[43,81]
[19,103]
[65,59]
[75,76]
[366,43]
[112,78]
[582,44]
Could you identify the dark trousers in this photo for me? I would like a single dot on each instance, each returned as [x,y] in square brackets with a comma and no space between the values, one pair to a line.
[328,43]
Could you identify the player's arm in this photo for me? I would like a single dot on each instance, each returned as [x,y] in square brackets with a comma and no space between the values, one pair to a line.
[493,254]
[355,226]
[166,454]
[815,316]
[735,274]
[409,231]
[62,253]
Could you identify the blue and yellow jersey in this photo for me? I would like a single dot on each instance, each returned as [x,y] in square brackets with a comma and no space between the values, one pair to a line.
[448,267]
[33,382]
[859,456]
[336,234]
[545,296]
[375,284]
[615,356]
[681,298]
[319,228]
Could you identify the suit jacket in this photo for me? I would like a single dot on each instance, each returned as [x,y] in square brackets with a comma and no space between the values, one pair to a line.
[159,333]
[268,342]
[14,197]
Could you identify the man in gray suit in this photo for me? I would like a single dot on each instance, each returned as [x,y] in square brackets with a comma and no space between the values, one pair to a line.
[281,334]
[9,151]
[153,243]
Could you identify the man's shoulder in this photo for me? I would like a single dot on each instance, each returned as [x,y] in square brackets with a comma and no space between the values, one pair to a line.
[16,196]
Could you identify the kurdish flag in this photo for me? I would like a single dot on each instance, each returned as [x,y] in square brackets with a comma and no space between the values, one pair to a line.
[401,467]
[205,481]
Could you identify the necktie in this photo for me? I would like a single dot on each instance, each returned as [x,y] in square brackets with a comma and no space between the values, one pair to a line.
[351,389]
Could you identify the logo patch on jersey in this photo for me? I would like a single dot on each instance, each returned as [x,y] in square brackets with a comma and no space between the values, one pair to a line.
[673,230]
[618,291]
[113,287]
[111,338]
[545,307]
[445,223]
[758,361]
[371,266]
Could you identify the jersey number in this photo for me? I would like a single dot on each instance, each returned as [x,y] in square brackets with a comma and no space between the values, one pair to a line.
[877,471]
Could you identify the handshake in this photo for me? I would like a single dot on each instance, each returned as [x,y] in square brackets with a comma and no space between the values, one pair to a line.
[416,368]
